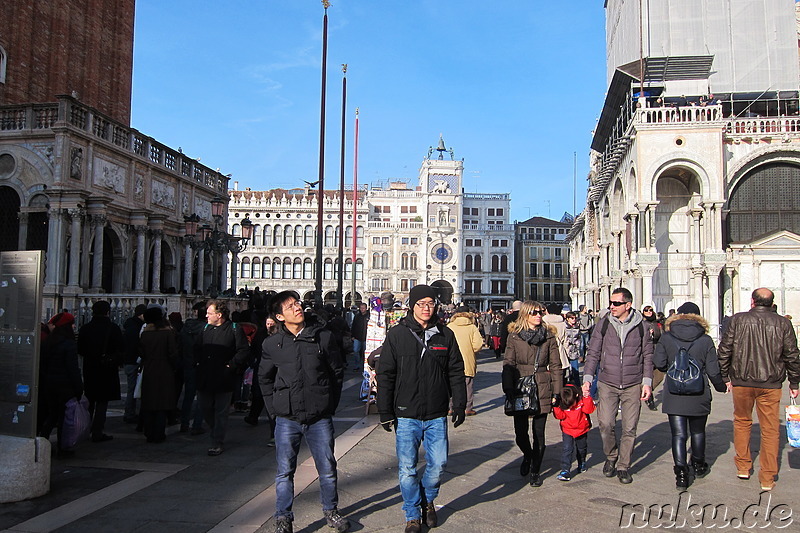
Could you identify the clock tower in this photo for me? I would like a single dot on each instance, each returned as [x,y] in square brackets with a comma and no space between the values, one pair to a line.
[440,180]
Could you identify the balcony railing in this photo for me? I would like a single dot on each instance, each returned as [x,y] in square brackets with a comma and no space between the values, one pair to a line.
[763,126]
[489,227]
[395,225]
[71,113]
[680,115]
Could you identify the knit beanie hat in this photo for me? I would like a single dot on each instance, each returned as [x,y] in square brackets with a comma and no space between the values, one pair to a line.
[689,308]
[62,319]
[418,292]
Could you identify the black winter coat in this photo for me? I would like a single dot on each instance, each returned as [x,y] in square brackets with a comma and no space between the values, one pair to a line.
[58,368]
[131,330]
[301,377]
[97,338]
[413,384]
[681,331]
[220,354]
[159,352]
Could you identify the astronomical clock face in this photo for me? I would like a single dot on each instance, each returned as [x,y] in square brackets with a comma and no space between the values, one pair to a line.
[441,253]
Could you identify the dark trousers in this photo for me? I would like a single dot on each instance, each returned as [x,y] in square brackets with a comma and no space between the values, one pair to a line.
[684,428]
[98,410]
[535,449]
[573,445]
[155,425]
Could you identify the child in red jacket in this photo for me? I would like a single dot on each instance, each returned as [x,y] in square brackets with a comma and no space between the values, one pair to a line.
[573,411]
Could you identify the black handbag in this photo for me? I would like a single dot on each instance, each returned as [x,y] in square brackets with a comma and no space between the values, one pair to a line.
[525,398]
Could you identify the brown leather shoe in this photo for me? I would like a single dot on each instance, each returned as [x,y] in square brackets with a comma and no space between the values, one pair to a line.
[471,412]
[429,515]
[412,526]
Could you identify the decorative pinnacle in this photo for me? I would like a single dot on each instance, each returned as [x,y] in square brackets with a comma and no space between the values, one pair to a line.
[326,4]
[344,68]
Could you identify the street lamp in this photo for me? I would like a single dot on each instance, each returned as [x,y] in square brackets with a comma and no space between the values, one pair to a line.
[217,241]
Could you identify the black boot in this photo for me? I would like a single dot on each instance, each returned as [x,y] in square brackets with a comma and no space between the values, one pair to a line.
[700,467]
[681,477]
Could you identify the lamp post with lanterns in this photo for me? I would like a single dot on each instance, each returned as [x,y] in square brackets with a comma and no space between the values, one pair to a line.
[215,240]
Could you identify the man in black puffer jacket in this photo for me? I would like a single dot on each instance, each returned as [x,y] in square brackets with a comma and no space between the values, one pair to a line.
[421,369]
[301,374]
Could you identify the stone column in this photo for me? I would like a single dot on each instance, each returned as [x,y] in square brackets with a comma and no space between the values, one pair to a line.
[712,313]
[55,248]
[141,257]
[76,214]
[98,225]
[235,270]
[696,286]
[647,272]
[22,242]
[158,234]
[187,264]
[201,270]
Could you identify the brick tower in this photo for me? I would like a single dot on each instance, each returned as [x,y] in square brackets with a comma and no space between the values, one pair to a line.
[82,48]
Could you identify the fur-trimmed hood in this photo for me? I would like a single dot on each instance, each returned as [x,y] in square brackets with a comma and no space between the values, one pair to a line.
[686,327]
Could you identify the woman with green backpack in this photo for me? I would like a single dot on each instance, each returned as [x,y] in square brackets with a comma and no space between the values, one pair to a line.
[688,356]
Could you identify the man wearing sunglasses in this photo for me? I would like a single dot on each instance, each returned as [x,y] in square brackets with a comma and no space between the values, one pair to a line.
[421,369]
[622,348]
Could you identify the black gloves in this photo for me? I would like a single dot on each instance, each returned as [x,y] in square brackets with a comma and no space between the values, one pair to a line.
[556,400]
[458,417]
[387,421]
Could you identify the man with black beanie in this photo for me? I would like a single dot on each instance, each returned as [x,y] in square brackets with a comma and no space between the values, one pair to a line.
[421,368]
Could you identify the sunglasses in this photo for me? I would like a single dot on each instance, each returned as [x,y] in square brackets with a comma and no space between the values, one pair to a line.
[646,310]
[539,312]
[616,304]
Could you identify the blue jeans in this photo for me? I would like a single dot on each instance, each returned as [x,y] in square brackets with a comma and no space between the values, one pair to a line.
[190,410]
[410,434]
[131,373]
[573,446]
[215,407]
[320,440]
[358,352]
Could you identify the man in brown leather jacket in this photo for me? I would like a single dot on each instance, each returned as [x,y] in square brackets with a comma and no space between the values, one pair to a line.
[756,353]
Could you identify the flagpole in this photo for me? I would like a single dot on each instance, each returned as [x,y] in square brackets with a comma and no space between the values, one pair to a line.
[321,182]
[342,232]
[355,209]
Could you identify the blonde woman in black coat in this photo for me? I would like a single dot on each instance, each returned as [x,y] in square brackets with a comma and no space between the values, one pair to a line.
[688,414]
[532,346]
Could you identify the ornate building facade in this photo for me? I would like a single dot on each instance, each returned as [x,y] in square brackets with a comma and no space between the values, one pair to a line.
[542,260]
[104,201]
[695,166]
[432,233]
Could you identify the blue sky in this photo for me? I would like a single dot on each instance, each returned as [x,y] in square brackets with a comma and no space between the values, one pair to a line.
[514,86]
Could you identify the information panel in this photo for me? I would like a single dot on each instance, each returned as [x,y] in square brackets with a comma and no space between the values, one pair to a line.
[21,276]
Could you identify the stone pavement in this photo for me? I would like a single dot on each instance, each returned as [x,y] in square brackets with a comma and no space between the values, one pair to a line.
[126,485]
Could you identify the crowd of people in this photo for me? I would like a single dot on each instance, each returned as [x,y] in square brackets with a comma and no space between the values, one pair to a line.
[287,361]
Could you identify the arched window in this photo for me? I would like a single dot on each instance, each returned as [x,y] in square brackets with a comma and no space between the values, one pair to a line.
[287,268]
[348,237]
[360,237]
[298,236]
[245,273]
[413,262]
[504,263]
[268,235]
[297,272]
[348,269]
[287,237]
[328,236]
[256,268]
[236,230]
[495,263]
[308,237]
[376,260]
[3,64]
[478,261]
[267,270]
[328,272]
[308,269]
[337,235]
[385,260]
[468,263]
[256,234]
[277,236]
[404,261]
[359,269]
[276,268]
